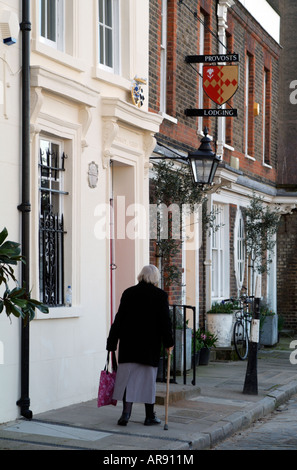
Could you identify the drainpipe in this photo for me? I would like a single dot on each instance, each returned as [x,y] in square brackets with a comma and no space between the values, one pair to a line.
[25,206]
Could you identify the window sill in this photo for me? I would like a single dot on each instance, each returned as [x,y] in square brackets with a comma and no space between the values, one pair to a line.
[112,78]
[267,166]
[59,313]
[228,147]
[250,158]
[58,56]
[167,117]
[200,133]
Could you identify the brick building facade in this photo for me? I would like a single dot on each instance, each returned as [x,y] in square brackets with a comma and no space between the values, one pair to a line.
[287,162]
[247,144]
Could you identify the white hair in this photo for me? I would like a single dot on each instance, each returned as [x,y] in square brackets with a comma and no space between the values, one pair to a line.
[149,274]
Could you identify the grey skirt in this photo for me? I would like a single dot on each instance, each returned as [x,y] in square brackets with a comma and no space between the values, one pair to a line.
[139,381]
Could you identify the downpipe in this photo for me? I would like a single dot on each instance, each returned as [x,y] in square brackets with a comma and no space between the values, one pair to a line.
[25,206]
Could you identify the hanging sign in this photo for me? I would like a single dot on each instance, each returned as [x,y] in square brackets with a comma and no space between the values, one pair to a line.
[220,82]
[211,112]
[195,59]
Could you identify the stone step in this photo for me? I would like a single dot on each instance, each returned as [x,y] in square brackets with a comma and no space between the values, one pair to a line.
[286,332]
[177,392]
[224,354]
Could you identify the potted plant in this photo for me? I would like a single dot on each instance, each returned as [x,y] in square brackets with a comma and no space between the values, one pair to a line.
[207,340]
[268,326]
[198,345]
[179,348]
[14,301]
[220,322]
[280,325]
[173,186]
[162,367]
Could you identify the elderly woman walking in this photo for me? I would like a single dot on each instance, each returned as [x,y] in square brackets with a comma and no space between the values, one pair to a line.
[142,324]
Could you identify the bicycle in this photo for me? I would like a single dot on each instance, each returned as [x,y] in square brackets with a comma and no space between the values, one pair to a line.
[241,329]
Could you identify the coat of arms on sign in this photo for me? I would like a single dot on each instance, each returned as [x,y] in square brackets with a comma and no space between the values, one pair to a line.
[220,82]
[137,91]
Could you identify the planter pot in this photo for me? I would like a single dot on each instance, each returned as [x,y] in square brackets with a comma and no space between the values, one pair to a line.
[269,331]
[204,356]
[161,374]
[195,359]
[179,349]
[221,325]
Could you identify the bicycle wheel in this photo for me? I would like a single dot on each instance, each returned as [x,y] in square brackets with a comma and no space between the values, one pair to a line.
[240,339]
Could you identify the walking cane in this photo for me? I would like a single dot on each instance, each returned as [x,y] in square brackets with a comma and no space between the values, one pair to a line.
[167,390]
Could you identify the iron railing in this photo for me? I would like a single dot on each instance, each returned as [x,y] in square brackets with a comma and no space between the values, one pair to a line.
[51,243]
[181,324]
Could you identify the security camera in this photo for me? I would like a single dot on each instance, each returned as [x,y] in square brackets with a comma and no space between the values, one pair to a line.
[9,27]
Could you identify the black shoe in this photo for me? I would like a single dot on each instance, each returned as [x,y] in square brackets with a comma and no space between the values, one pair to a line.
[123,421]
[151,421]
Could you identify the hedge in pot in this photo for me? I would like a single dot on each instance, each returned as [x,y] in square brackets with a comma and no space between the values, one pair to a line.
[268,326]
[180,324]
[220,323]
[261,225]
[16,301]
[174,195]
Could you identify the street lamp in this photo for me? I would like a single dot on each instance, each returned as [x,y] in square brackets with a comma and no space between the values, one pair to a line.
[204,161]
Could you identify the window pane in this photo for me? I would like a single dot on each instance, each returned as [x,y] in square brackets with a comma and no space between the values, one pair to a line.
[221,274]
[215,273]
[240,252]
[51,19]
[106,32]
[108,13]
[48,17]
[42,18]
[108,48]
[101,45]
[100,7]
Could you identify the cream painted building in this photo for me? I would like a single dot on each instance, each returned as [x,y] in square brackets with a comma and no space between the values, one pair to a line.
[90,143]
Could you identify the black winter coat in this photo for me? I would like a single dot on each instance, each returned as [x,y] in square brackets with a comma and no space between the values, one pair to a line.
[141,324]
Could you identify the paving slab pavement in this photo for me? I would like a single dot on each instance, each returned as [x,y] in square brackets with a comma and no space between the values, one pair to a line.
[200,415]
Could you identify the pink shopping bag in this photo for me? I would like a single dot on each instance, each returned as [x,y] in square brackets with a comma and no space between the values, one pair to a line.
[106,385]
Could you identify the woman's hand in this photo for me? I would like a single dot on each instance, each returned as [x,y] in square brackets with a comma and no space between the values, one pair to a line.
[169,350]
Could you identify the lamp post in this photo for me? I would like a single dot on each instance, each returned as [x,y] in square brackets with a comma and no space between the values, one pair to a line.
[204,161]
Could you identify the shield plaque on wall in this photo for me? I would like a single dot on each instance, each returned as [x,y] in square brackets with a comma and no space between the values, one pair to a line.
[220,82]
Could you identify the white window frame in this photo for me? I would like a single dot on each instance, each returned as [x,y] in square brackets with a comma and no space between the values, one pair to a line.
[239,250]
[247,106]
[264,115]
[247,74]
[265,83]
[68,53]
[220,253]
[163,58]
[254,278]
[56,182]
[59,41]
[272,280]
[115,36]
